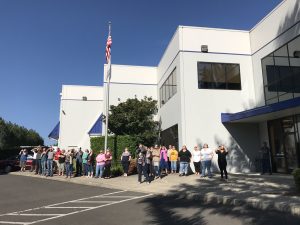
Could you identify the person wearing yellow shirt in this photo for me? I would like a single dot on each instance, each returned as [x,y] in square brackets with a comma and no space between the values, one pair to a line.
[173,159]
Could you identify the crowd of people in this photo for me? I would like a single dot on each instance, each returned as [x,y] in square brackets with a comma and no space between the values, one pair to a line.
[46,160]
[156,162]
[151,162]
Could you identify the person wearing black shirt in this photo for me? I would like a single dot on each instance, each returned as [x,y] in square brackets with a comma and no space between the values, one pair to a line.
[184,159]
[141,163]
[221,152]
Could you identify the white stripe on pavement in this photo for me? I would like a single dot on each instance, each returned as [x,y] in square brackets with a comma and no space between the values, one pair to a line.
[41,207]
[96,207]
[9,222]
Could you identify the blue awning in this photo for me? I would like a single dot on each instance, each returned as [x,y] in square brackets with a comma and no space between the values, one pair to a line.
[97,127]
[54,134]
[267,112]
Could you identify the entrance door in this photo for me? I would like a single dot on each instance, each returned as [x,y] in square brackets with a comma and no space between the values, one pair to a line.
[289,142]
[283,134]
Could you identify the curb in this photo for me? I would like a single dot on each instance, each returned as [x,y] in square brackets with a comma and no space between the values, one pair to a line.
[209,197]
[252,202]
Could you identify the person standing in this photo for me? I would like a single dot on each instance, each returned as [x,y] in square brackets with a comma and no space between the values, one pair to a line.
[79,163]
[155,161]
[50,156]
[33,164]
[23,159]
[69,163]
[100,160]
[61,163]
[44,162]
[173,159]
[108,159]
[90,163]
[149,162]
[222,162]
[55,160]
[206,157]
[38,169]
[163,164]
[125,160]
[196,155]
[141,163]
[184,159]
[169,158]
[266,159]
[85,157]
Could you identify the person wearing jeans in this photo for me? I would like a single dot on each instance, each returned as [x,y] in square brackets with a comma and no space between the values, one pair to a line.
[206,155]
[50,156]
[44,162]
[155,161]
[173,159]
[85,157]
[184,159]
[100,159]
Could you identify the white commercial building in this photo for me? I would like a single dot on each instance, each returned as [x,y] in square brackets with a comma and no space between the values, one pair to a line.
[215,86]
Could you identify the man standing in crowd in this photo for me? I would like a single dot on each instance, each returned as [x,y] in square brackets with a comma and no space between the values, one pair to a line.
[141,163]
[79,163]
[155,161]
[50,157]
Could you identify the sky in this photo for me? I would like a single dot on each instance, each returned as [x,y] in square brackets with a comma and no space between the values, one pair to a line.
[47,43]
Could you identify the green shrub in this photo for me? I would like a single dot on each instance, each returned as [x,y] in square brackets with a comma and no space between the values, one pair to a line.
[296,174]
[116,170]
[117,144]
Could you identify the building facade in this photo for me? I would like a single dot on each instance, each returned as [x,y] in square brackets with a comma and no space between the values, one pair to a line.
[220,86]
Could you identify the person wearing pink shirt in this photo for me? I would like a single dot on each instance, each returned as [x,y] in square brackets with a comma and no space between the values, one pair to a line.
[163,165]
[100,160]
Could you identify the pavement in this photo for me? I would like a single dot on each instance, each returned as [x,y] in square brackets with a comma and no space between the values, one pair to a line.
[27,200]
[265,192]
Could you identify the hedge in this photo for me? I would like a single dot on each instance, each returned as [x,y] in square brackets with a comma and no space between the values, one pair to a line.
[296,174]
[117,144]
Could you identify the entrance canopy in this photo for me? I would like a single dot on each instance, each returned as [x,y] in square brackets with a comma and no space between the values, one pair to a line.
[264,113]
[54,134]
[96,129]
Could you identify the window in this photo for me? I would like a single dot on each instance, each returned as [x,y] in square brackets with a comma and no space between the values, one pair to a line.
[219,76]
[281,73]
[168,89]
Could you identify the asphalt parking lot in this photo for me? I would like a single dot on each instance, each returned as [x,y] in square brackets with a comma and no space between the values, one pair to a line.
[28,200]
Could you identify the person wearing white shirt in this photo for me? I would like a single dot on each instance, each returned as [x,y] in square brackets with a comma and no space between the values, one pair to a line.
[196,155]
[206,156]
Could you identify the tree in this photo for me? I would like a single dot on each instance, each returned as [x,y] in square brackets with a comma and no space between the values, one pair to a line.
[13,135]
[136,118]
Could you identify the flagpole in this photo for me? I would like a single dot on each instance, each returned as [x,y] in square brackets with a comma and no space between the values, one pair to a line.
[108,76]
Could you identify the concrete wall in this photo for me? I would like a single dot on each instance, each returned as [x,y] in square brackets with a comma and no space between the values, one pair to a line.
[77,116]
[131,82]
[277,28]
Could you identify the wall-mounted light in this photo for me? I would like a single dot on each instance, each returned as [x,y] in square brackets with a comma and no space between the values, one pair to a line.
[297,54]
[204,48]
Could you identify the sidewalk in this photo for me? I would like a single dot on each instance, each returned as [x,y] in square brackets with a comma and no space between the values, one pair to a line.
[275,192]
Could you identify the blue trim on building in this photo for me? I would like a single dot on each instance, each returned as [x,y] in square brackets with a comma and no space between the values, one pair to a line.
[291,103]
[54,134]
[97,127]
[131,83]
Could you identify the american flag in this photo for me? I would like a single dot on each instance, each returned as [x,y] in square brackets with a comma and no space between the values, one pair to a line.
[107,49]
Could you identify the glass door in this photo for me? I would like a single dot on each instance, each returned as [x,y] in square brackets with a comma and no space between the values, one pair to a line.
[277,146]
[289,142]
[284,143]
